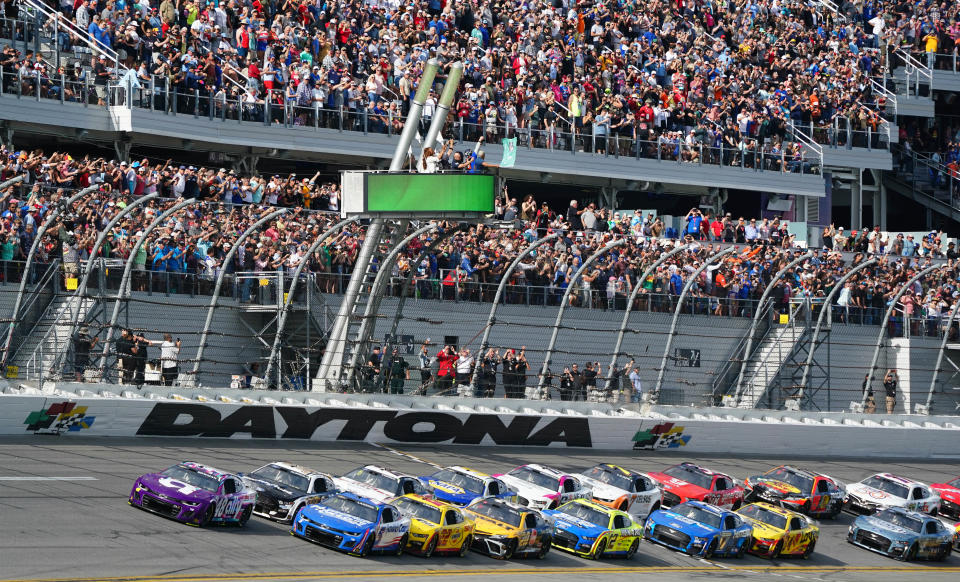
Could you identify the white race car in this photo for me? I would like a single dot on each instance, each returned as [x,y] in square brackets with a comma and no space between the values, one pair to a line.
[378,484]
[884,490]
[622,489]
[542,487]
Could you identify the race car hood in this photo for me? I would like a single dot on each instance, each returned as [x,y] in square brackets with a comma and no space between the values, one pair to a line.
[489,526]
[868,493]
[684,524]
[335,519]
[679,486]
[175,489]
[273,489]
[602,490]
[449,491]
[894,532]
[774,485]
[763,530]
[362,489]
[947,492]
[528,489]
[574,525]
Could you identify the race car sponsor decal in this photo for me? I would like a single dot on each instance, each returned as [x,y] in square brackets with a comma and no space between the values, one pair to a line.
[292,422]
[664,435]
[339,515]
[59,417]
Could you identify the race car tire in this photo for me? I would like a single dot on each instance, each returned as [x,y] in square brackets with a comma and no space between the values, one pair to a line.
[545,548]
[401,545]
[465,546]
[245,516]
[431,547]
[207,517]
[934,511]
[711,549]
[809,550]
[911,554]
[511,549]
[633,549]
[775,552]
[601,548]
[367,546]
[943,553]
[833,514]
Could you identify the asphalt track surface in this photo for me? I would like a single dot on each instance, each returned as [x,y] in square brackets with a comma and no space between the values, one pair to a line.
[79,528]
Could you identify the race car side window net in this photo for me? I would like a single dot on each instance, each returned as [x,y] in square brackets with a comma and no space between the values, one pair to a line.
[320,486]
[569,486]
[729,522]
[931,527]
[822,486]
[408,487]
[494,488]
[529,521]
[388,515]
[451,518]
[229,486]
[917,493]
[619,522]
[795,523]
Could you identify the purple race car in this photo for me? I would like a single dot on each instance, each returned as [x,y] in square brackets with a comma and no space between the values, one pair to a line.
[195,494]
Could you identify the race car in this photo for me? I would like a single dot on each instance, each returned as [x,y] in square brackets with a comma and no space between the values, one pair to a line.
[194,494]
[884,490]
[352,524]
[686,481]
[810,493]
[282,489]
[591,530]
[378,484]
[505,529]
[902,534]
[463,486]
[435,526]
[949,498]
[622,489]
[542,487]
[699,528]
[956,537]
[779,532]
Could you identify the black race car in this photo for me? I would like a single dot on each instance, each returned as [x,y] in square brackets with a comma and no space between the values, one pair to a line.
[283,489]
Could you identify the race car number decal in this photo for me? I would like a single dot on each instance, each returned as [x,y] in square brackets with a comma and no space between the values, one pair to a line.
[227,506]
[180,486]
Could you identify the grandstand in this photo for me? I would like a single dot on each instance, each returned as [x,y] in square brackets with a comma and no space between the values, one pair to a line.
[799,117]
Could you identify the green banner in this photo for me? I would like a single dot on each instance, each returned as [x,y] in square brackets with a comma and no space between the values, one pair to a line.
[429,193]
[509,153]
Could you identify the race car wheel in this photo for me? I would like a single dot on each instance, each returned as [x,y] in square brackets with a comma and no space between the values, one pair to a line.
[775,553]
[743,547]
[911,554]
[245,516]
[431,547]
[633,548]
[465,546]
[368,546]
[711,549]
[207,517]
[807,552]
[943,553]
[511,548]
[544,548]
[601,548]
[401,545]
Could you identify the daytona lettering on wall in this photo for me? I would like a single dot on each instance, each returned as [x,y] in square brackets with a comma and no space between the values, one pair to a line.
[344,424]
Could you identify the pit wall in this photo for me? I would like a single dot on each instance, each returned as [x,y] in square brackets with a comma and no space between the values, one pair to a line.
[404,421]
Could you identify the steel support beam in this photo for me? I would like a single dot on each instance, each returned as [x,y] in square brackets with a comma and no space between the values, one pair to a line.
[943,347]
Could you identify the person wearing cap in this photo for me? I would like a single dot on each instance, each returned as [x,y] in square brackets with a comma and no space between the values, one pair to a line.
[82,344]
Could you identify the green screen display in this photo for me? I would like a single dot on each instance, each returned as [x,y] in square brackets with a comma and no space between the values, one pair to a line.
[429,193]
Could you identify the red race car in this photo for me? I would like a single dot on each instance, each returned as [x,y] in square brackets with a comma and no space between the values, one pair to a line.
[949,497]
[789,487]
[687,481]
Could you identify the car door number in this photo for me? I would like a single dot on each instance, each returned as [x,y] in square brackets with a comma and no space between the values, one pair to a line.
[227,506]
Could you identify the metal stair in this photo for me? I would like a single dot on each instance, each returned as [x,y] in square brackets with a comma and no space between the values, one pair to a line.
[763,369]
[43,349]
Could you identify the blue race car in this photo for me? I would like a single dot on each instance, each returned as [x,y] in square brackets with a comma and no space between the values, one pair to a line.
[699,528]
[901,534]
[353,524]
[463,486]
[591,530]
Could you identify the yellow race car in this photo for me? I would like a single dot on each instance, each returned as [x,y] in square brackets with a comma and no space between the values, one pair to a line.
[591,530]
[435,526]
[779,532]
[506,529]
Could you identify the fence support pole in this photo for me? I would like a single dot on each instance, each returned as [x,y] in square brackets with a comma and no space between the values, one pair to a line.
[943,346]
[676,316]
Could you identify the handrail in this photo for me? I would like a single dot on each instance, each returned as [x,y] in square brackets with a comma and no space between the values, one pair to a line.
[46,279]
[83,35]
[913,67]
[887,93]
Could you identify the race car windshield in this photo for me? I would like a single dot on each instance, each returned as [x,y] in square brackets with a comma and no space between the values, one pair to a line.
[610,476]
[373,479]
[466,482]
[351,507]
[192,477]
[887,486]
[904,521]
[791,477]
[535,477]
[418,510]
[283,477]
[497,512]
[690,475]
[955,483]
[764,516]
[697,514]
[584,513]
